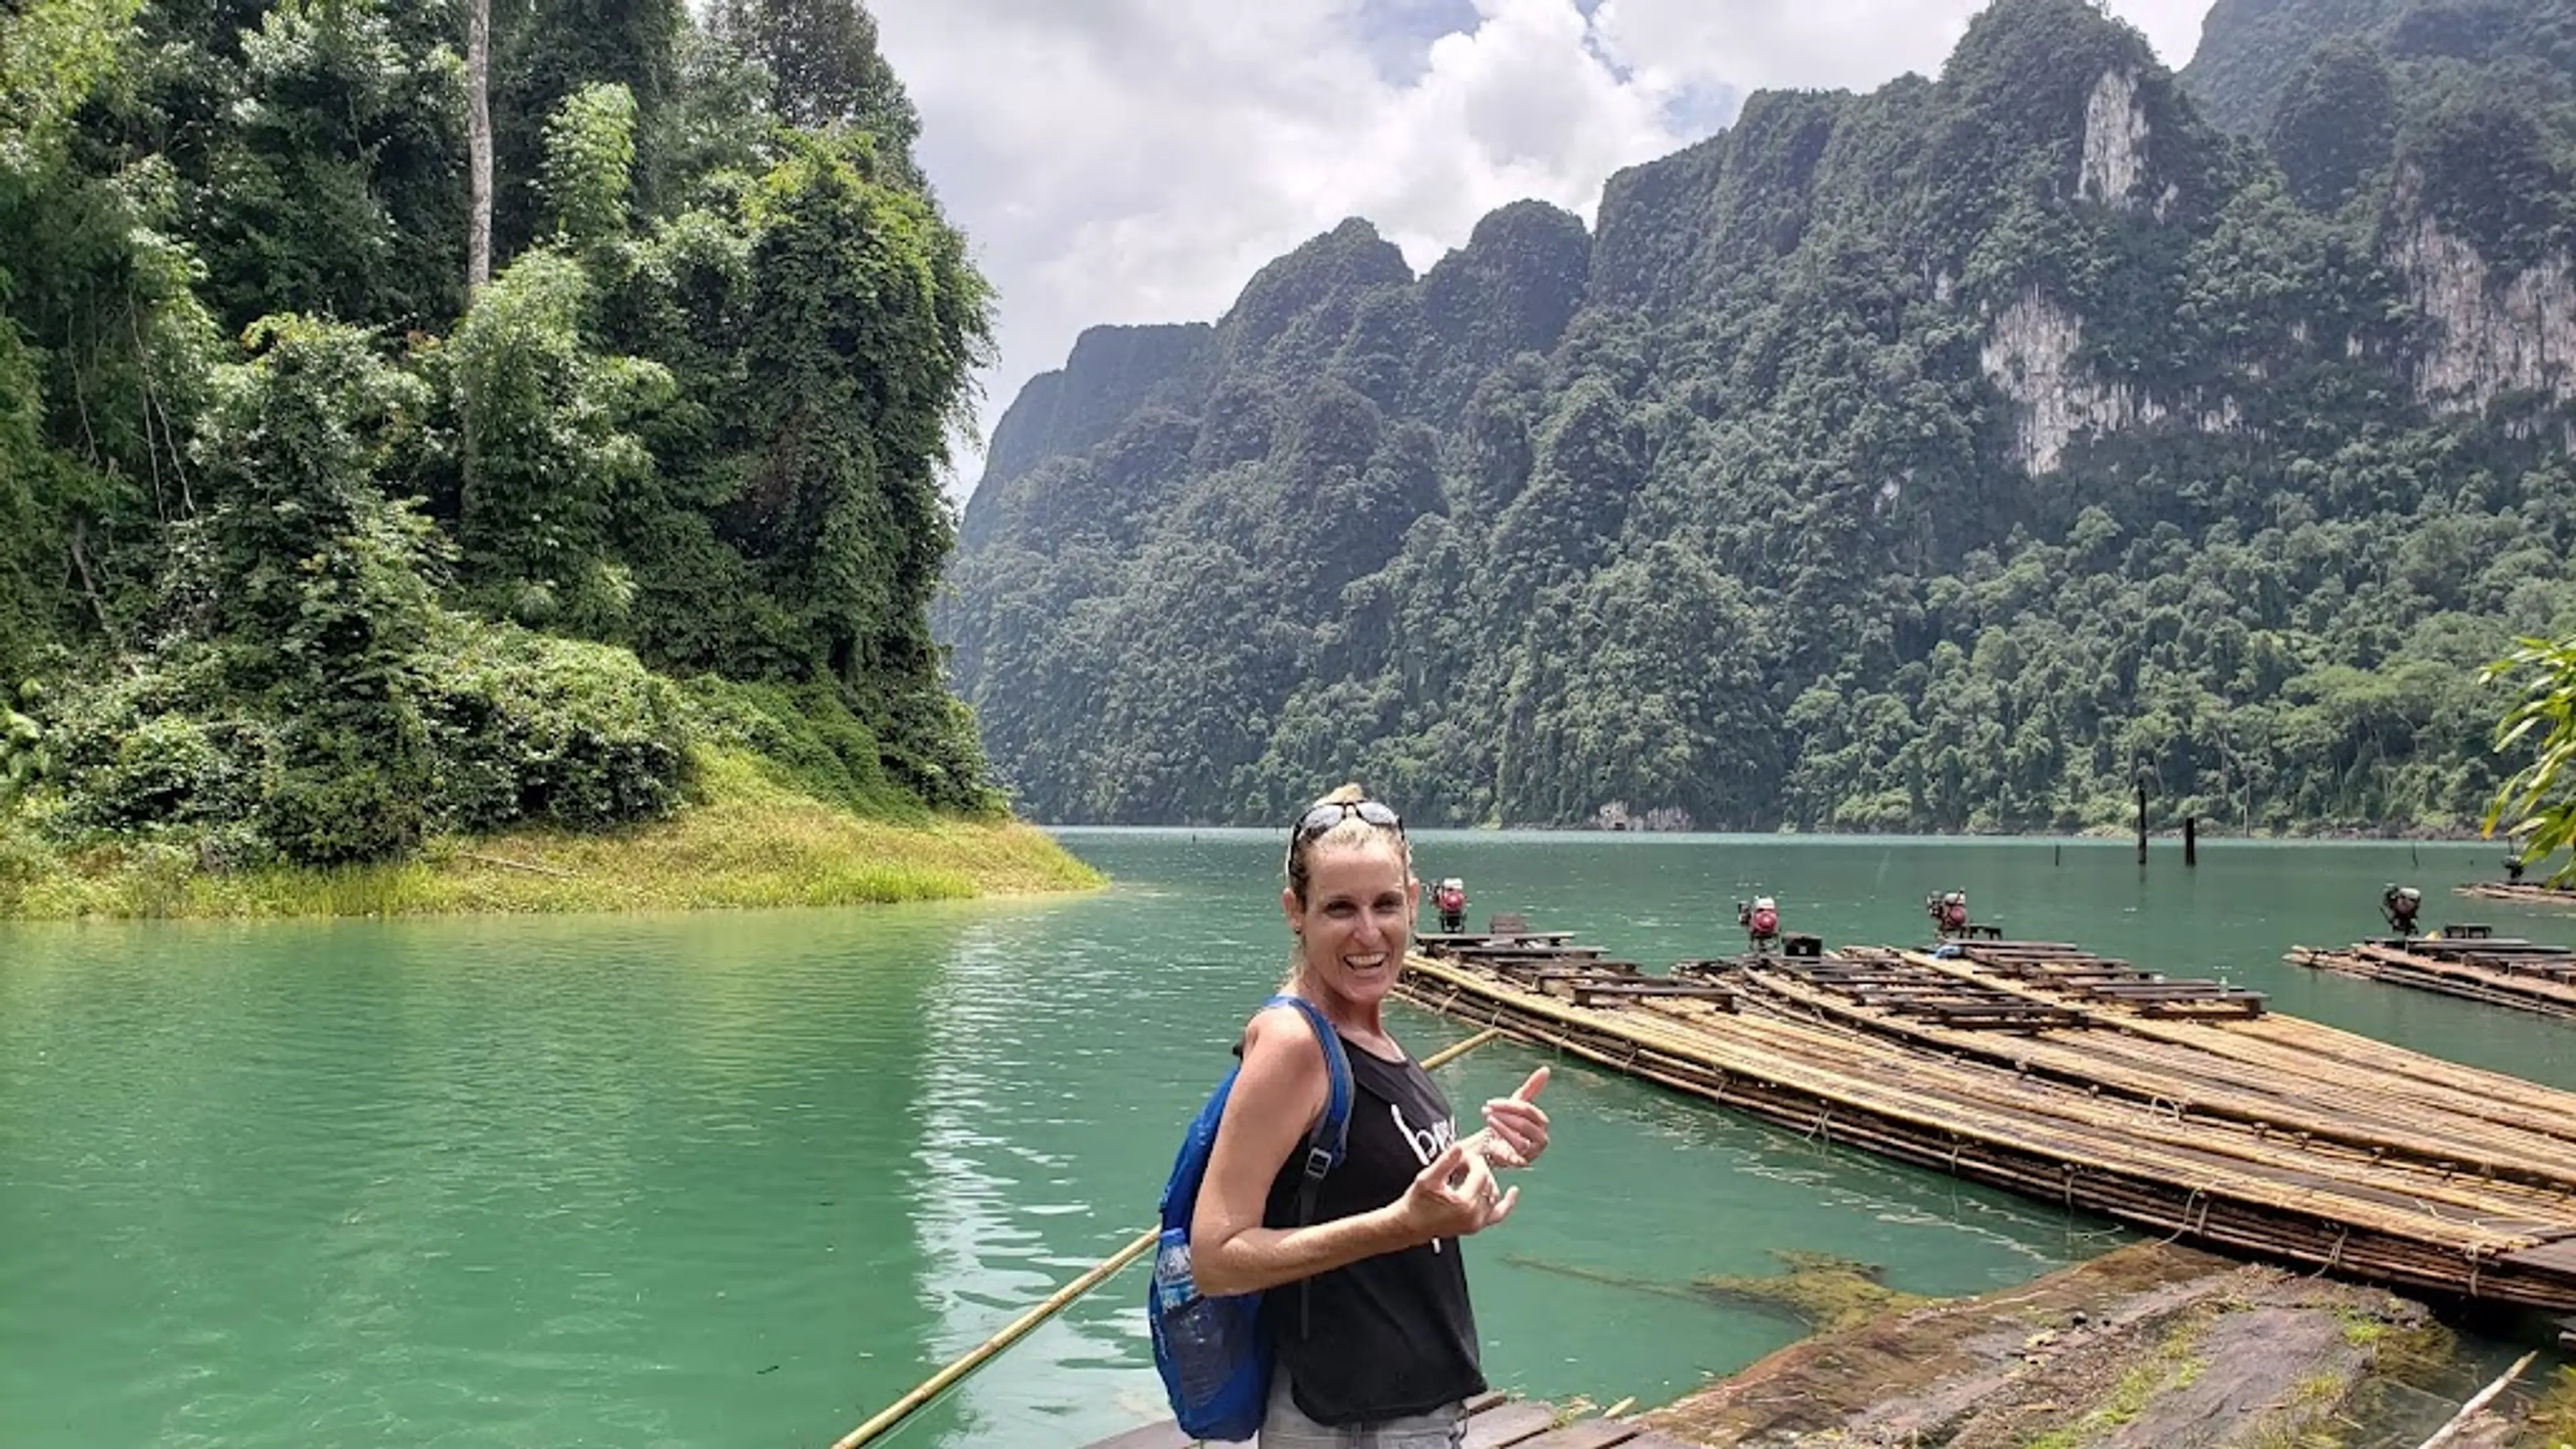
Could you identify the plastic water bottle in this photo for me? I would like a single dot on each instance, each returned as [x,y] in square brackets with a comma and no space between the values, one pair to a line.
[1173,1285]
[1206,1337]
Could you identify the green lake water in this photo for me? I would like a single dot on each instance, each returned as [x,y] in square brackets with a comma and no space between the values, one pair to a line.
[746,1179]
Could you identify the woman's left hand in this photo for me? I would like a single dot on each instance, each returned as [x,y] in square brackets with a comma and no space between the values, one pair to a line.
[1515,1127]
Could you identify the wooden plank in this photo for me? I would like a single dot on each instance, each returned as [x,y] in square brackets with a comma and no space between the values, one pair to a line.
[1165,1435]
[2555,1257]
[1572,971]
[1997,1019]
[1480,1410]
[1585,1434]
[2202,1010]
[1588,992]
[1510,1424]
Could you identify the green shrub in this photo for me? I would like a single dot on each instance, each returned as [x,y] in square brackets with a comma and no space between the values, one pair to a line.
[808,733]
[340,803]
[502,728]
[528,727]
[152,750]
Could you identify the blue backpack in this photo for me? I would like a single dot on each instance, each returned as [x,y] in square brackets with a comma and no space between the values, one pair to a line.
[1213,1353]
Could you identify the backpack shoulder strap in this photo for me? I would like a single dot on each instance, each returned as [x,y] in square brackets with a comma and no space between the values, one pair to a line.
[1326,1145]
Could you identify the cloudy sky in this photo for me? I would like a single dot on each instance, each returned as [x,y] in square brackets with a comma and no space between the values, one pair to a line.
[1136,160]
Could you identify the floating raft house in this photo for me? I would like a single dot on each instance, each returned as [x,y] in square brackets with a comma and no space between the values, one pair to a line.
[2178,1107]
[2499,970]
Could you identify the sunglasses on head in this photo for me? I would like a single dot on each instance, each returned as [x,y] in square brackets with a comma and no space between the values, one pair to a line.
[1333,812]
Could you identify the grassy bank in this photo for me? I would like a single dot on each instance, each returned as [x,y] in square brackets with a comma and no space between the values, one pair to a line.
[746,840]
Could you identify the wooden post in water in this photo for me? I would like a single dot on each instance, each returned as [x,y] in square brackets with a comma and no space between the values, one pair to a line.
[2142,820]
[2191,840]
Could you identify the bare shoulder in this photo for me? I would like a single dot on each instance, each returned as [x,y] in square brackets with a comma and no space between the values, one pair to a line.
[1273,1026]
[1279,1041]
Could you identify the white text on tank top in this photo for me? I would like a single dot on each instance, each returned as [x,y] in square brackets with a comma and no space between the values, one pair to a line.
[1427,1143]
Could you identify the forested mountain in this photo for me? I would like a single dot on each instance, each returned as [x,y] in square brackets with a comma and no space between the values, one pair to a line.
[305,552]
[2249,50]
[1946,457]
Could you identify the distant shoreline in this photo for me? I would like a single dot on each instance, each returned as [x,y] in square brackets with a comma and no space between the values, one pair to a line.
[749,843]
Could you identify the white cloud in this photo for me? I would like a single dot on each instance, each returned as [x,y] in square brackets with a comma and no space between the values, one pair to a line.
[1136,160]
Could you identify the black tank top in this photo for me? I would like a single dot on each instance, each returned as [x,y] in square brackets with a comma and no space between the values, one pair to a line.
[1394,1334]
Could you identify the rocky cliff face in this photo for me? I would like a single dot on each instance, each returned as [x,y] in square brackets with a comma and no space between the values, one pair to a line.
[2115,143]
[2488,333]
[1113,374]
[2034,357]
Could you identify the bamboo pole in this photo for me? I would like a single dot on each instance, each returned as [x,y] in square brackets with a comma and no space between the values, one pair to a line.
[2546,1000]
[2469,973]
[2086,1145]
[2311,1050]
[2485,1396]
[975,1357]
[2135,1190]
[2143,1197]
[2110,1134]
[1056,1302]
[2528,892]
[2359,1116]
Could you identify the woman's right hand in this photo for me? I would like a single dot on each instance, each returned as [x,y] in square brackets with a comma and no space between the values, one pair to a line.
[1455,1196]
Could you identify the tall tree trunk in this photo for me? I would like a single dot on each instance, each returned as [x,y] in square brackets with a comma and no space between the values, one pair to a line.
[478,131]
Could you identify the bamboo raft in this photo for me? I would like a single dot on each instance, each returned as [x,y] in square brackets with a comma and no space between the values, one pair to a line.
[2499,970]
[2177,1107]
[2529,893]
[1494,1421]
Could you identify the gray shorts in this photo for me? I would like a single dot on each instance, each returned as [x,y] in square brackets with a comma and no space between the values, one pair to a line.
[1285,1428]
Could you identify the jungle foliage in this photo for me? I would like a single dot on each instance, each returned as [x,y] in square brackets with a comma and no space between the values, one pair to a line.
[1727,508]
[2537,806]
[307,556]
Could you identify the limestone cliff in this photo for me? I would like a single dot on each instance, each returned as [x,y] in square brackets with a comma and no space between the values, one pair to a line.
[2488,333]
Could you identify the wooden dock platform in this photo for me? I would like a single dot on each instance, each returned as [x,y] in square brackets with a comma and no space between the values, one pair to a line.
[1494,1421]
[2498,970]
[2181,1107]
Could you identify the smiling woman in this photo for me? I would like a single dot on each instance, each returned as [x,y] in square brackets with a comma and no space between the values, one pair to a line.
[1379,1266]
